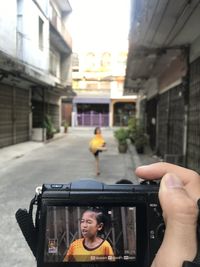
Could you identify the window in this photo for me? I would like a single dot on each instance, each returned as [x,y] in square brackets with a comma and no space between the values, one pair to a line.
[41,33]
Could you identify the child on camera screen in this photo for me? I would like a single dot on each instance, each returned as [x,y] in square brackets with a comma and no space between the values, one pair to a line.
[91,247]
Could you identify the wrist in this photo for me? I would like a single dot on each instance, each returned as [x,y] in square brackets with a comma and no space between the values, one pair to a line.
[179,245]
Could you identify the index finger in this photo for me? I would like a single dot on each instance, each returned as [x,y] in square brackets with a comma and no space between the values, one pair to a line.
[190,178]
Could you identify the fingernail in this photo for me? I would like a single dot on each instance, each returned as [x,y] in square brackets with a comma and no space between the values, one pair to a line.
[173,181]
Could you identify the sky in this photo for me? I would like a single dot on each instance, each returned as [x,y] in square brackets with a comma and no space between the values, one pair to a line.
[99,24]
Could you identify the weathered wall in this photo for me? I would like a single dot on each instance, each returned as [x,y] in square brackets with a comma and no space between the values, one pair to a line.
[172,74]
[8,22]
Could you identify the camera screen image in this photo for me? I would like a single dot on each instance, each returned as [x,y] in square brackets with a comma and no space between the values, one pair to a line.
[90,234]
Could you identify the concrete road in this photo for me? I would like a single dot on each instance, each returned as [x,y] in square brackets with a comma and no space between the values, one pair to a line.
[63,160]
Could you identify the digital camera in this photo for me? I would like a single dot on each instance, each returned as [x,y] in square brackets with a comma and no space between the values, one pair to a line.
[133,226]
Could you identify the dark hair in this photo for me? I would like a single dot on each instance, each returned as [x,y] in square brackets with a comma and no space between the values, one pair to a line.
[100,218]
[96,129]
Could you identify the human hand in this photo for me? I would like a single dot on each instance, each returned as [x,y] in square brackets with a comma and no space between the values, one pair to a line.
[178,195]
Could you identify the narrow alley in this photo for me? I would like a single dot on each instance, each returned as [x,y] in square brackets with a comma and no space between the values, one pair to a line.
[61,161]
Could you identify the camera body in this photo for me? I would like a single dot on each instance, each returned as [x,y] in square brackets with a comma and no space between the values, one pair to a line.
[134,225]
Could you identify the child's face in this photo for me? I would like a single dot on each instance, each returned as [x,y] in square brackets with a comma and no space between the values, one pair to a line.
[89,225]
[98,131]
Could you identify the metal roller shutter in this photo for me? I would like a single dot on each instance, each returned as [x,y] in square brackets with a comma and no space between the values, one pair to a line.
[6,127]
[14,115]
[22,115]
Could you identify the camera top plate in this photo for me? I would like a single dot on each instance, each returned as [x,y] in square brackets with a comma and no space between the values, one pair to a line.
[92,185]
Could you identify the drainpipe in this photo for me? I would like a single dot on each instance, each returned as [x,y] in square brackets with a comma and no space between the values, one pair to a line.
[186,87]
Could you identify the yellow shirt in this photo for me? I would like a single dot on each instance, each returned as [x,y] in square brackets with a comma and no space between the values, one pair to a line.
[78,252]
[96,142]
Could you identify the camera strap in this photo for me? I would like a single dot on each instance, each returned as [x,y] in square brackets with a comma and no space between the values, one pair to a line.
[27,226]
[196,261]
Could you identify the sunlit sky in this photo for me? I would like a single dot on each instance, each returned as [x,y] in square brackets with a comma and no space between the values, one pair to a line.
[99,24]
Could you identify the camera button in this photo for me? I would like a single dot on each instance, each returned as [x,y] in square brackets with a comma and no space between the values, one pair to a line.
[152,234]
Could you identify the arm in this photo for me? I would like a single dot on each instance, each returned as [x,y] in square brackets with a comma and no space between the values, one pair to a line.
[69,254]
[178,194]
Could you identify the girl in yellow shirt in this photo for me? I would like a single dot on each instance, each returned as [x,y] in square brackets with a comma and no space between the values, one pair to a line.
[96,145]
[91,247]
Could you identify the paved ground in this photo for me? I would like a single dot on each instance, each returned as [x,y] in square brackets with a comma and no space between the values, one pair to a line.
[25,166]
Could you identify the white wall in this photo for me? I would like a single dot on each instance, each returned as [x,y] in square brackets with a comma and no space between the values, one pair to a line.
[44,5]
[30,52]
[8,20]
[59,23]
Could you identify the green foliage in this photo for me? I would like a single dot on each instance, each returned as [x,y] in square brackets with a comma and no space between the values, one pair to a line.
[132,129]
[48,124]
[141,139]
[121,135]
[65,124]
[137,134]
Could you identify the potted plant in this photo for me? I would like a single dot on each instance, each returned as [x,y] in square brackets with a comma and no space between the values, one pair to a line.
[50,130]
[65,125]
[141,140]
[122,135]
[132,128]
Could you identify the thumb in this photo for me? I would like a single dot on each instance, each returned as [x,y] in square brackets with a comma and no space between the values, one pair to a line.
[171,182]
[175,201]
[180,215]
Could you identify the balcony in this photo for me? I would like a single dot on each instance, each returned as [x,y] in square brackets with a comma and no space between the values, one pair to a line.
[58,32]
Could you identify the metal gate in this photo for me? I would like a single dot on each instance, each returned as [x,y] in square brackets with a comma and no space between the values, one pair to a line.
[162,124]
[92,119]
[171,123]
[14,115]
[193,141]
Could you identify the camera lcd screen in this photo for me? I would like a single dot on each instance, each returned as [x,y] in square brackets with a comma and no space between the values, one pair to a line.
[90,234]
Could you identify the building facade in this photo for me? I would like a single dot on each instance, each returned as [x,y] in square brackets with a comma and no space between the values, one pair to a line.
[163,68]
[30,88]
[98,79]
